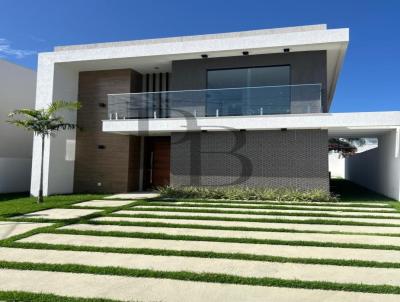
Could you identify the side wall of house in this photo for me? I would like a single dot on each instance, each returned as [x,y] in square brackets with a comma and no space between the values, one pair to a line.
[378,169]
[17,90]
[306,68]
[104,162]
[294,158]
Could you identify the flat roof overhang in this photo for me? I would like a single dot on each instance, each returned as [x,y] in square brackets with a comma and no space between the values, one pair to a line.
[145,55]
[354,124]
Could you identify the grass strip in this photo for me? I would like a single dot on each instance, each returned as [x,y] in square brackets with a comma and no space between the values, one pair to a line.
[163,236]
[101,212]
[355,204]
[202,277]
[15,205]
[264,207]
[231,228]
[21,296]
[274,220]
[200,254]
[157,209]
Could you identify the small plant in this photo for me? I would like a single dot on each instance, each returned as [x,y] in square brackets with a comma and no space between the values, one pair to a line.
[246,193]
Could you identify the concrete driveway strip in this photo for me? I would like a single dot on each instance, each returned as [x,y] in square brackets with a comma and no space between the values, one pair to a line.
[284,204]
[278,206]
[219,247]
[248,224]
[254,216]
[152,289]
[59,214]
[13,228]
[252,269]
[103,203]
[318,213]
[286,236]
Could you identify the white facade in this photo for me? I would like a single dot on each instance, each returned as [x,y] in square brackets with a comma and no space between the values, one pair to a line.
[337,165]
[58,75]
[58,79]
[17,90]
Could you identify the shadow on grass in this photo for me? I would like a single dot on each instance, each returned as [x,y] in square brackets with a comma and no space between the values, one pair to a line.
[11,196]
[349,191]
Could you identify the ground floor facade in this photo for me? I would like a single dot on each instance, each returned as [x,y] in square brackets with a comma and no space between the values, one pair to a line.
[123,155]
[280,159]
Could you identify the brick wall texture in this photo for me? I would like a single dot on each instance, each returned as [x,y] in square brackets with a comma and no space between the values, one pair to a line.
[293,158]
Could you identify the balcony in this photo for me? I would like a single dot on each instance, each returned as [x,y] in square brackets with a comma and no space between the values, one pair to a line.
[246,101]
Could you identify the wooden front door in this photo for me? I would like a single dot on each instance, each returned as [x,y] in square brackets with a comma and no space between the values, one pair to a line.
[157,161]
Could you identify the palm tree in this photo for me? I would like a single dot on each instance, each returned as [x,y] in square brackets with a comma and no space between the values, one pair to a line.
[44,123]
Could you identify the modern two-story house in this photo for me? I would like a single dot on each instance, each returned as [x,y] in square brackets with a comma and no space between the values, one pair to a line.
[245,108]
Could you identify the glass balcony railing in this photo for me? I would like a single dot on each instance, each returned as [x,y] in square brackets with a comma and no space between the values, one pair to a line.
[246,101]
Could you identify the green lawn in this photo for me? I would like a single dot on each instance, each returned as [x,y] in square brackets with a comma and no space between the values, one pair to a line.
[22,203]
[17,204]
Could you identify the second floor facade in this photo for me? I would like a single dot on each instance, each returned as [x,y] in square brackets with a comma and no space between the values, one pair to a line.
[246,85]
[253,74]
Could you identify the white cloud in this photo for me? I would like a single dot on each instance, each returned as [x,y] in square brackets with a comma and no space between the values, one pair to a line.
[7,51]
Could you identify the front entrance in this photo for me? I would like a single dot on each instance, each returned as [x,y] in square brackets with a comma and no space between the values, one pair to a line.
[157,151]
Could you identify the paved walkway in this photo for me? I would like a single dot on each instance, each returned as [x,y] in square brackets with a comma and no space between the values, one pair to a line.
[313,205]
[305,211]
[12,228]
[103,203]
[140,237]
[257,216]
[134,195]
[59,214]
[285,236]
[166,290]
[311,252]
[243,268]
[286,226]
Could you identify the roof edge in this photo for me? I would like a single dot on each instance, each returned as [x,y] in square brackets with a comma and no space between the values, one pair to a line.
[247,33]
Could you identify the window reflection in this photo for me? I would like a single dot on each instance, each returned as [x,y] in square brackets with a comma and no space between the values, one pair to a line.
[271,100]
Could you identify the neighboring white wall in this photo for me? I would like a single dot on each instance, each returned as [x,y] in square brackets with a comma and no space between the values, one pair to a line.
[55,82]
[336,165]
[17,90]
[15,174]
[378,169]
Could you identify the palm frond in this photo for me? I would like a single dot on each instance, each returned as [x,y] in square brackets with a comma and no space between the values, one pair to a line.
[63,126]
[26,112]
[43,121]
[62,105]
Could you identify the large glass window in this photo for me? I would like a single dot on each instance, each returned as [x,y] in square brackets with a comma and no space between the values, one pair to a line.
[266,99]
[248,77]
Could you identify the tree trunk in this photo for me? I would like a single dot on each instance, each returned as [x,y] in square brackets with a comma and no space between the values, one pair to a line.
[40,195]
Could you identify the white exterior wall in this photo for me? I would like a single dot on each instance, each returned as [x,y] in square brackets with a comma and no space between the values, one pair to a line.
[336,165]
[55,82]
[17,90]
[378,169]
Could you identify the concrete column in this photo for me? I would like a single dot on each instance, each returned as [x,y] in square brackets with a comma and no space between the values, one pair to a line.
[55,82]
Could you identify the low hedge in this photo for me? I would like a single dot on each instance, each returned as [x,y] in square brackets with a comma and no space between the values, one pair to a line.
[246,193]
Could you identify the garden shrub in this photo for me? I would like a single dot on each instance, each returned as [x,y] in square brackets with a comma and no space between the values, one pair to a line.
[246,193]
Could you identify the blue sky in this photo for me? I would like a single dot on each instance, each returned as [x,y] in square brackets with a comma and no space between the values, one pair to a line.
[370,76]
